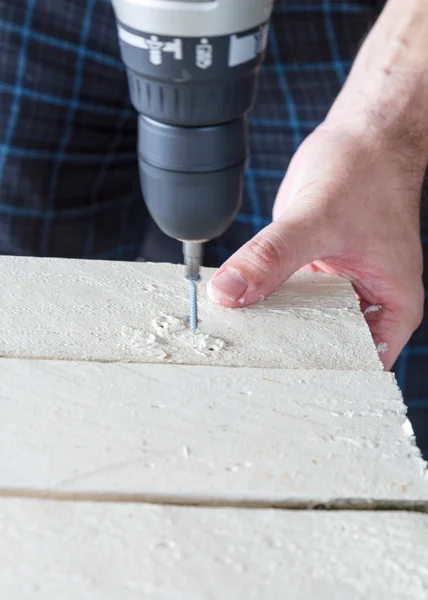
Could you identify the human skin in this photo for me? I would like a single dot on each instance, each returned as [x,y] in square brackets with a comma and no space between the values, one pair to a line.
[350,201]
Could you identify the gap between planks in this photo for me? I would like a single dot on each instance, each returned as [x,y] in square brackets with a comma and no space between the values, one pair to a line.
[125,361]
[333,504]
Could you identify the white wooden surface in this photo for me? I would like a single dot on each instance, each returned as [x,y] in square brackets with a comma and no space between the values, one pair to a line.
[84,551]
[186,432]
[84,310]
[211,431]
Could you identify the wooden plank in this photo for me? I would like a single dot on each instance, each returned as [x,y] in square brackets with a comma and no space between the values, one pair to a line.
[215,432]
[98,310]
[103,551]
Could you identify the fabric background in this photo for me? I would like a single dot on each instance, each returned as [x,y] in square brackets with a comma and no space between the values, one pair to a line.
[68,175]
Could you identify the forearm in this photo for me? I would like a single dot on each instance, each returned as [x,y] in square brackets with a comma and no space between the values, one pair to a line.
[388,84]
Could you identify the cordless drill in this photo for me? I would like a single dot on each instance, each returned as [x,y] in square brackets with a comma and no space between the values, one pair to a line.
[193,69]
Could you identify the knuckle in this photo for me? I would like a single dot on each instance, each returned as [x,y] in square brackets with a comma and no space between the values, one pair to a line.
[415,308]
[417,315]
[266,251]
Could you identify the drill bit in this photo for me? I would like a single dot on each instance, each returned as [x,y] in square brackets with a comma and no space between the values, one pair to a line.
[193,314]
[193,255]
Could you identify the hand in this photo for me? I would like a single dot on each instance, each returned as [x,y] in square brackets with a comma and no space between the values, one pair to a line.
[349,205]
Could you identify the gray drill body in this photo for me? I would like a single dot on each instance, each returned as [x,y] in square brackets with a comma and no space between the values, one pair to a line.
[193,70]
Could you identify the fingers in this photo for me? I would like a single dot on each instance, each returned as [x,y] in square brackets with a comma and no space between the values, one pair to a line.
[391,326]
[268,260]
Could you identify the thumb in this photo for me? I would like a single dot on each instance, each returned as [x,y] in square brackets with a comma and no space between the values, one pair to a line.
[266,261]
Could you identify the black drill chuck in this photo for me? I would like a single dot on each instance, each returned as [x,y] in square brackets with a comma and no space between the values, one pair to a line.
[192,177]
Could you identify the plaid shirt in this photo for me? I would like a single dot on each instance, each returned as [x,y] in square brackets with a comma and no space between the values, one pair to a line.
[68,174]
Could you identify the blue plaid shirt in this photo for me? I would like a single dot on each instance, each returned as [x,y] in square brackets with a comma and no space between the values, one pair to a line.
[68,174]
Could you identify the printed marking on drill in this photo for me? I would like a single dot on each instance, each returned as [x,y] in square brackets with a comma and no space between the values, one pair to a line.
[244,48]
[204,54]
[153,44]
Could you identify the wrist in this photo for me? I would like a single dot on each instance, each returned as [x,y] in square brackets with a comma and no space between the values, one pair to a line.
[386,93]
[396,117]
[403,129]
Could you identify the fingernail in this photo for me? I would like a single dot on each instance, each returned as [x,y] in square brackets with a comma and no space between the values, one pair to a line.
[371,309]
[228,284]
[382,348]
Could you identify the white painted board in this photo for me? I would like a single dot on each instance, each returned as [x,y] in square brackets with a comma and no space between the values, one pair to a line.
[84,551]
[205,431]
[99,310]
